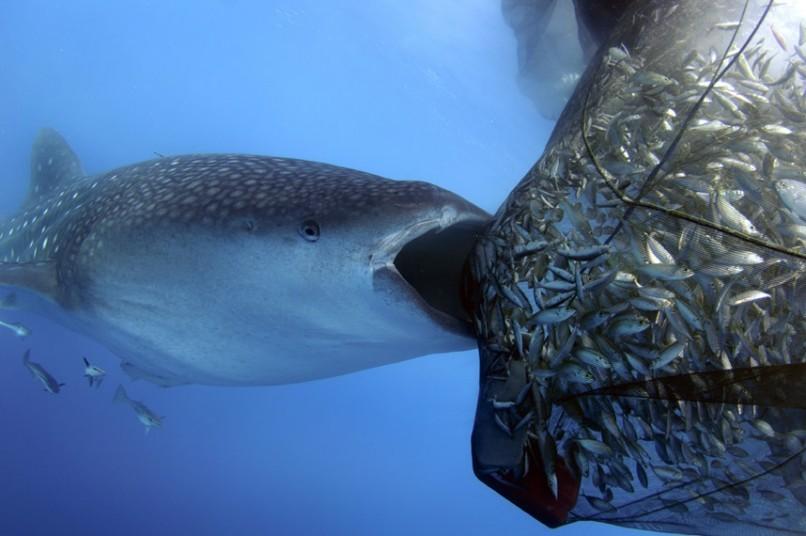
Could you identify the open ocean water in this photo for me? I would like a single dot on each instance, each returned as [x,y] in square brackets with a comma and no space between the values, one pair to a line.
[411,90]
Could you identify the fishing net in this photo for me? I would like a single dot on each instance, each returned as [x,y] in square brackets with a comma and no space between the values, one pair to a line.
[640,297]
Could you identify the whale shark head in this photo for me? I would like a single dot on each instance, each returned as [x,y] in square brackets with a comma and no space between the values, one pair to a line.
[234,269]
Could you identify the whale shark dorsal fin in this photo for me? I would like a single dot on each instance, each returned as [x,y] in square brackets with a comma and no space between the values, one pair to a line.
[37,276]
[53,162]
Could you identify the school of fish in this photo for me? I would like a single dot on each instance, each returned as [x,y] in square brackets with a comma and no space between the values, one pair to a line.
[640,305]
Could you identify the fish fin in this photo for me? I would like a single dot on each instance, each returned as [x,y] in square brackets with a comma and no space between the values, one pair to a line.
[120,395]
[37,276]
[26,357]
[86,361]
[53,162]
[89,379]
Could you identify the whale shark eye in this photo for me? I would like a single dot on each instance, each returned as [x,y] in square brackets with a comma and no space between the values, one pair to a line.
[309,230]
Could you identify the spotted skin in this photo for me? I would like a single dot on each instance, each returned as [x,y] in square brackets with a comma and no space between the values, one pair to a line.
[211,191]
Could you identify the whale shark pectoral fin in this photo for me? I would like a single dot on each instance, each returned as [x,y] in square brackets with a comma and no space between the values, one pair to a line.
[136,372]
[53,162]
[37,276]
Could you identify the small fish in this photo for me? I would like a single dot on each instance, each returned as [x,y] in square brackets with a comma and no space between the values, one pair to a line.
[39,372]
[764,427]
[592,358]
[144,415]
[652,79]
[668,355]
[667,473]
[584,253]
[604,279]
[504,427]
[745,297]
[558,285]
[732,25]
[656,293]
[636,364]
[778,38]
[600,504]
[555,315]
[18,329]
[626,326]
[595,447]
[563,274]
[731,216]
[609,422]
[558,299]
[776,130]
[650,304]
[94,374]
[771,495]
[742,258]
[563,350]
[576,374]
[593,319]
[793,194]
[666,272]
[691,318]
[656,253]
[618,53]
[641,472]
[507,404]
[513,296]
[548,454]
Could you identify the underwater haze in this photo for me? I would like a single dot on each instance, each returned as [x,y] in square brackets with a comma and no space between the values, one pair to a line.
[409,90]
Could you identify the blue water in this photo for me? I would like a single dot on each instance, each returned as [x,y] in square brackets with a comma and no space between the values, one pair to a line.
[421,90]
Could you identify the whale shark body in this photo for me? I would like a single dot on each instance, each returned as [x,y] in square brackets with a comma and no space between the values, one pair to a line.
[242,270]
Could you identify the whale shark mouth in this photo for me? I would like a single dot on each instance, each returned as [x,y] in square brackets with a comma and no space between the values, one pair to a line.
[427,260]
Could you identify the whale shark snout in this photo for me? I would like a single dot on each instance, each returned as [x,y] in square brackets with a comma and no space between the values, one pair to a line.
[244,270]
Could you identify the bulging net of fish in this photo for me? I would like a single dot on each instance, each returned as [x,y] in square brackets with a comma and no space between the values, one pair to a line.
[640,294]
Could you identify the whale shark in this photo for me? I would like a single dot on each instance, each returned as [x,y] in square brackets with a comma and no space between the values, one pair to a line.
[229,269]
